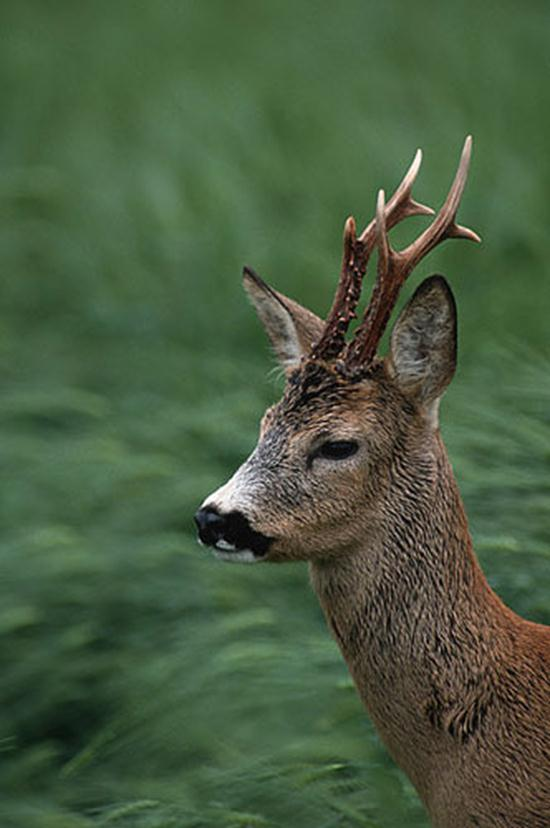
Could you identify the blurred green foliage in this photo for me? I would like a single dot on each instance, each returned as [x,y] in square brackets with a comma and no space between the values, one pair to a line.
[147,151]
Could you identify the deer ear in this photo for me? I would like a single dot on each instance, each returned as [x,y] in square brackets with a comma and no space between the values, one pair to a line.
[423,344]
[291,328]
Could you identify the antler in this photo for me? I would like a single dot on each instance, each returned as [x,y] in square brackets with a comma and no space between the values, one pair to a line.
[357,252]
[394,266]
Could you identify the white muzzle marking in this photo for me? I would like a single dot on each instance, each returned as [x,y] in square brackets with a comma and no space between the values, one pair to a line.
[233,496]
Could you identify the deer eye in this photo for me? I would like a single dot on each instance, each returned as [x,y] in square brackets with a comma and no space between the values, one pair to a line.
[337,449]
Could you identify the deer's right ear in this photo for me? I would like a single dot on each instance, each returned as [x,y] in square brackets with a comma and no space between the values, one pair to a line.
[291,328]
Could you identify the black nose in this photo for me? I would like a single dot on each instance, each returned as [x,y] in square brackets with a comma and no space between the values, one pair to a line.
[211,525]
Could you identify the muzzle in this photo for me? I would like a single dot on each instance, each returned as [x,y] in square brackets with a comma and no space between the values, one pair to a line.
[230,535]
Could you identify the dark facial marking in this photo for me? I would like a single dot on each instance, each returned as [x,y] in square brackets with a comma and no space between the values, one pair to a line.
[233,528]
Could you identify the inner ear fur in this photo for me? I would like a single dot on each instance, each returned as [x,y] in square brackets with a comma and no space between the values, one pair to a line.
[291,328]
[423,343]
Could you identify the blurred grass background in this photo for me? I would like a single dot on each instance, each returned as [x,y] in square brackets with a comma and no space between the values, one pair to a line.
[147,151]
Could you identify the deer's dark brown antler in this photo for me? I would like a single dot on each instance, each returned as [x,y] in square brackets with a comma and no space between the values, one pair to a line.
[394,266]
[357,251]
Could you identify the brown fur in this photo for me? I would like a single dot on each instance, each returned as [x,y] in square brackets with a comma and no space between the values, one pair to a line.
[457,685]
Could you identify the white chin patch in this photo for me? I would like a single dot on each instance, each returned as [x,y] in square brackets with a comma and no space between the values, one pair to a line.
[221,551]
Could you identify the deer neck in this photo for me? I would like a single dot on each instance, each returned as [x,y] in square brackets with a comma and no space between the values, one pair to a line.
[416,621]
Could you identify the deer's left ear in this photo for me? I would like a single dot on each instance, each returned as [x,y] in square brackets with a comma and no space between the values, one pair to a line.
[423,344]
[291,328]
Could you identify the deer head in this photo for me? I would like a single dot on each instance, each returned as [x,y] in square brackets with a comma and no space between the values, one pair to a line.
[352,428]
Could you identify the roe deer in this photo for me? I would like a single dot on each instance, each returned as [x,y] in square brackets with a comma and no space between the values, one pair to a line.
[350,474]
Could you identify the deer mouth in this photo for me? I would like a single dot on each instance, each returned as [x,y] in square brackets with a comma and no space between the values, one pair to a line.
[231,536]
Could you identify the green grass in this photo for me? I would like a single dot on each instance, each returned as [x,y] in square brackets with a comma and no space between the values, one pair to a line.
[147,151]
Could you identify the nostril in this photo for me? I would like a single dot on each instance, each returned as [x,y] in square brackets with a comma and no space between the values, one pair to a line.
[210,525]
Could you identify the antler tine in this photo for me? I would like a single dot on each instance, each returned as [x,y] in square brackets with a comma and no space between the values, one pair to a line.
[395,266]
[357,252]
[401,204]
[348,292]
[384,294]
[444,226]
[384,250]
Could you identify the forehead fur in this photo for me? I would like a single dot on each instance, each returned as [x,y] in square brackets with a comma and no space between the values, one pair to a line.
[318,389]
